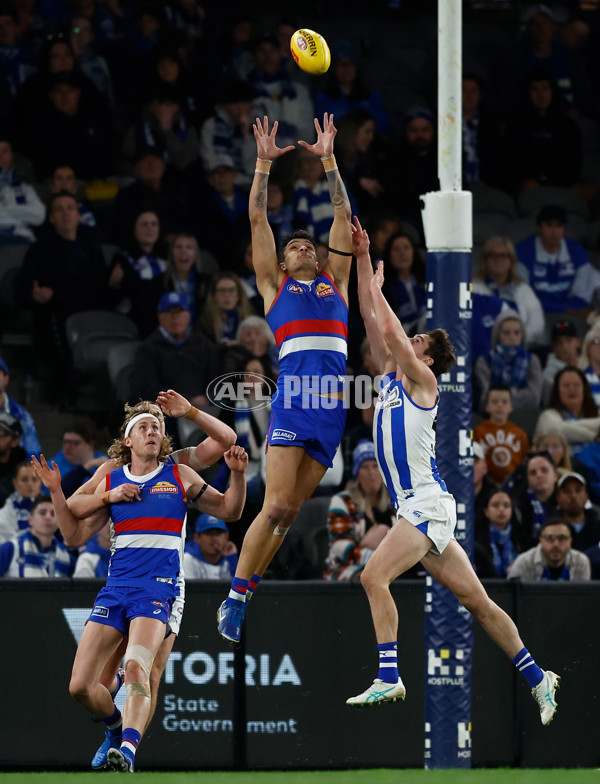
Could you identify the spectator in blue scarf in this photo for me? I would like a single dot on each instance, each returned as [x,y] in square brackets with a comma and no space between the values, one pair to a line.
[510,363]
[405,280]
[498,532]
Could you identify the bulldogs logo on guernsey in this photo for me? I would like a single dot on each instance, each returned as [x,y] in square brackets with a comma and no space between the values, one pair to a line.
[147,534]
[311,330]
[404,438]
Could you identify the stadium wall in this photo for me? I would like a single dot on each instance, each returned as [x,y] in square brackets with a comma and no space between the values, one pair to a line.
[308,646]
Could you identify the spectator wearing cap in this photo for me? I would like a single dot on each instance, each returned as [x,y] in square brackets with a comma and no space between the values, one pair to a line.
[358,518]
[566,348]
[20,206]
[65,130]
[574,507]
[557,268]
[589,361]
[228,133]
[211,556]
[175,357]
[29,439]
[346,90]
[278,97]
[162,126]
[11,454]
[416,165]
[553,558]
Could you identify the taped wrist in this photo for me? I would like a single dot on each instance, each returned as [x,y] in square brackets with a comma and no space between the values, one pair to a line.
[106,498]
[191,414]
[329,163]
[263,166]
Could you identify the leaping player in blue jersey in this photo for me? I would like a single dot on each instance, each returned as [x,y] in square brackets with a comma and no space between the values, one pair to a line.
[404,437]
[146,497]
[307,309]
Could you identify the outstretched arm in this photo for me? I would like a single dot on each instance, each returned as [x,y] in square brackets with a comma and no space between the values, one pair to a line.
[264,252]
[226,506]
[220,437]
[360,248]
[340,238]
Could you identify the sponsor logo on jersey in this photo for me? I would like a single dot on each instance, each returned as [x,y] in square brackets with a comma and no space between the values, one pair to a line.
[324,290]
[103,611]
[287,434]
[164,487]
[295,288]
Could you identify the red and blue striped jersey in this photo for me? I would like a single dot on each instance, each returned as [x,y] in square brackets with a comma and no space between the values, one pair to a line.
[310,322]
[147,534]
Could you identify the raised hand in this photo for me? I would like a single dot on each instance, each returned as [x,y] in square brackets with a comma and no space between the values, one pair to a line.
[266,148]
[377,281]
[173,404]
[360,239]
[50,477]
[237,459]
[325,136]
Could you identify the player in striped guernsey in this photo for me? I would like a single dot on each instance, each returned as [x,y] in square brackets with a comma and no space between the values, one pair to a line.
[404,436]
[147,499]
[307,309]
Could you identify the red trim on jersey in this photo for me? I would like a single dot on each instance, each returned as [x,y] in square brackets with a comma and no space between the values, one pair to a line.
[175,468]
[327,275]
[310,326]
[286,277]
[156,524]
[107,485]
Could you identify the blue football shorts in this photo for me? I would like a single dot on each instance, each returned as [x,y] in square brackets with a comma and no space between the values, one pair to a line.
[117,606]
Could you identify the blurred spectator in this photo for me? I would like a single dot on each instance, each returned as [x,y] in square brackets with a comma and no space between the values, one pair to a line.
[552,558]
[172,75]
[482,147]
[37,552]
[280,211]
[94,557]
[543,143]
[224,210]
[16,62]
[573,505]
[187,16]
[228,133]
[504,444]
[157,188]
[226,306]
[248,276]
[566,347]
[255,336]
[14,515]
[20,206]
[92,65]
[29,439]
[184,273]
[312,202]
[558,447]
[278,97]
[346,90]
[174,357]
[359,517]
[486,309]
[162,126]
[534,496]
[11,454]
[510,363]
[499,277]
[62,273]
[589,361]
[571,409]
[251,419]
[405,281]
[482,484]
[78,459]
[416,165]
[66,130]
[380,226]
[363,161]
[137,272]
[63,179]
[558,268]
[497,531]
[211,556]
[587,463]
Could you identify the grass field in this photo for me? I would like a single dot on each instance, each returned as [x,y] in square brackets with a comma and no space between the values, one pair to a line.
[379,776]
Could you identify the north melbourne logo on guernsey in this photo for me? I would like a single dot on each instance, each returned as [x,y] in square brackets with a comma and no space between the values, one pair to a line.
[164,487]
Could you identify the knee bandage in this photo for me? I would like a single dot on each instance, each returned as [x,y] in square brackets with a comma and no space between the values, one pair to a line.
[143,657]
[280,530]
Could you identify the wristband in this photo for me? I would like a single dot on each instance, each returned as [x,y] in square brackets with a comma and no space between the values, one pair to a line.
[191,414]
[263,166]
[329,163]
[106,498]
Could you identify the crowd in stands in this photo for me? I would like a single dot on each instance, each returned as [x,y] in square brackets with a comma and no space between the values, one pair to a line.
[126,158]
